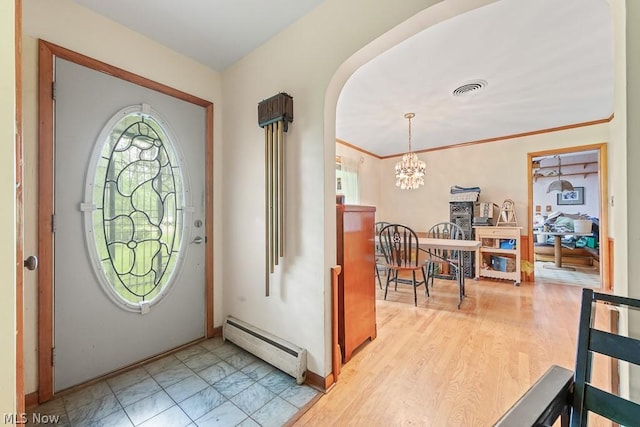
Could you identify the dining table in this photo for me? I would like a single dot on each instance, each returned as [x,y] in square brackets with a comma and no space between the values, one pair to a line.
[460,246]
[557,247]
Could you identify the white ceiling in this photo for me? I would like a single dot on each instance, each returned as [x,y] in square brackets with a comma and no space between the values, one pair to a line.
[216,33]
[547,63]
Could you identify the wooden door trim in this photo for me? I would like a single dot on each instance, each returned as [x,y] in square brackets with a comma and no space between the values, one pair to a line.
[603,208]
[45,212]
[47,52]
[20,400]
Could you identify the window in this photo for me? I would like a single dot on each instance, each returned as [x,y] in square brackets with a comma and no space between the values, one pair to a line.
[136,211]
[347,179]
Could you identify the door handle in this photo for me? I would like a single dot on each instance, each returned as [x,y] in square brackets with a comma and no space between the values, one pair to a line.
[31,263]
[197,240]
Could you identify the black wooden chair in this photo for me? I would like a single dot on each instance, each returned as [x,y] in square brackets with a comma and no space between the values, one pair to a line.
[436,257]
[378,251]
[399,245]
[571,395]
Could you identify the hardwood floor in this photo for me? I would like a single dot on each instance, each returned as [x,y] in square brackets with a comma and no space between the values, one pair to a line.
[435,365]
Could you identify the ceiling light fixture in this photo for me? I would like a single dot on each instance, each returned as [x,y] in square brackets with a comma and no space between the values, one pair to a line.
[560,184]
[410,171]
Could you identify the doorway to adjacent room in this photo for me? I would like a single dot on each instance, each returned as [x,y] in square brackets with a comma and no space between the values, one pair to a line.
[567,225]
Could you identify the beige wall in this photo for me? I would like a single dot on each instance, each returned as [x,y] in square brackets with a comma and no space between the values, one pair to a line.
[633,160]
[7,213]
[66,24]
[498,168]
[618,172]
[618,178]
[633,138]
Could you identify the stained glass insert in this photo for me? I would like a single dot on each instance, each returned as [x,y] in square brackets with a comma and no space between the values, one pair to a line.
[138,220]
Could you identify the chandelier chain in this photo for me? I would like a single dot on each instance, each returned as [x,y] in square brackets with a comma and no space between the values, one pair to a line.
[409,133]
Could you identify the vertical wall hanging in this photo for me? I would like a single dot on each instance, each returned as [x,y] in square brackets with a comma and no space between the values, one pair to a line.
[274,115]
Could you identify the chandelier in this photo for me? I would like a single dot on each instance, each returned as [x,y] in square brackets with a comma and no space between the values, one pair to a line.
[410,171]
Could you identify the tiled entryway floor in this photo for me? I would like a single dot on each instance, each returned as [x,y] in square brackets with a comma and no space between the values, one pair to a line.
[213,383]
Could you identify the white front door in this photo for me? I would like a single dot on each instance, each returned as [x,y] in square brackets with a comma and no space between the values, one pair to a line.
[129,270]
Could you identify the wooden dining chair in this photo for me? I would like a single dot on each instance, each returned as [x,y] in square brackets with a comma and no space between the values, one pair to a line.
[437,256]
[378,251]
[399,245]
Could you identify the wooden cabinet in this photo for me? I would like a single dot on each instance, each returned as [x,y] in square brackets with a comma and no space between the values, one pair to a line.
[499,253]
[356,283]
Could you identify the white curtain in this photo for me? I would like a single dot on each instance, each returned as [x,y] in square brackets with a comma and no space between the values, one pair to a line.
[348,174]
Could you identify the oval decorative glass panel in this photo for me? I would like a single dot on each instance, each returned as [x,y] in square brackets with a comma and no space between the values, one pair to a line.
[136,190]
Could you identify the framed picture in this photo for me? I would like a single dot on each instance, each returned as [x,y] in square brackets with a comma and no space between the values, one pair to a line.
[575,197]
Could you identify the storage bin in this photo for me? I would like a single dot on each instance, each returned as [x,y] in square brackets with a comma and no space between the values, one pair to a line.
[501,263]
[488,243]
[507,243]
[582,225]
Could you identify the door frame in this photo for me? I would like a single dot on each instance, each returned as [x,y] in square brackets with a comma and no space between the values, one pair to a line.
[20,397]
[47,52]
[606,281]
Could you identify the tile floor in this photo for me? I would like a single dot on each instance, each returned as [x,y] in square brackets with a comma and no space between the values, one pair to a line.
[213,383]
[586,277]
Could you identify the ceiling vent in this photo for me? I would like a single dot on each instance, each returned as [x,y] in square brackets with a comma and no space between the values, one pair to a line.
[469,88]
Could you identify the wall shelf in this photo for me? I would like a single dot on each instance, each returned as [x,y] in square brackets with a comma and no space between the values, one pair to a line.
[536,165]
[537,175]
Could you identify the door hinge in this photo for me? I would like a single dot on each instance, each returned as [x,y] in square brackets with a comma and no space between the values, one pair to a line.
[53,90]
[53,223]
[53,356]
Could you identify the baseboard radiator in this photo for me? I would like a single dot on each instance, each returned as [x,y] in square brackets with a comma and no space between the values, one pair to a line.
[283,355]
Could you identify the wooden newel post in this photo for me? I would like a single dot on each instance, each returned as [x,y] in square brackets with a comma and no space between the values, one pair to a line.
[336,353]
